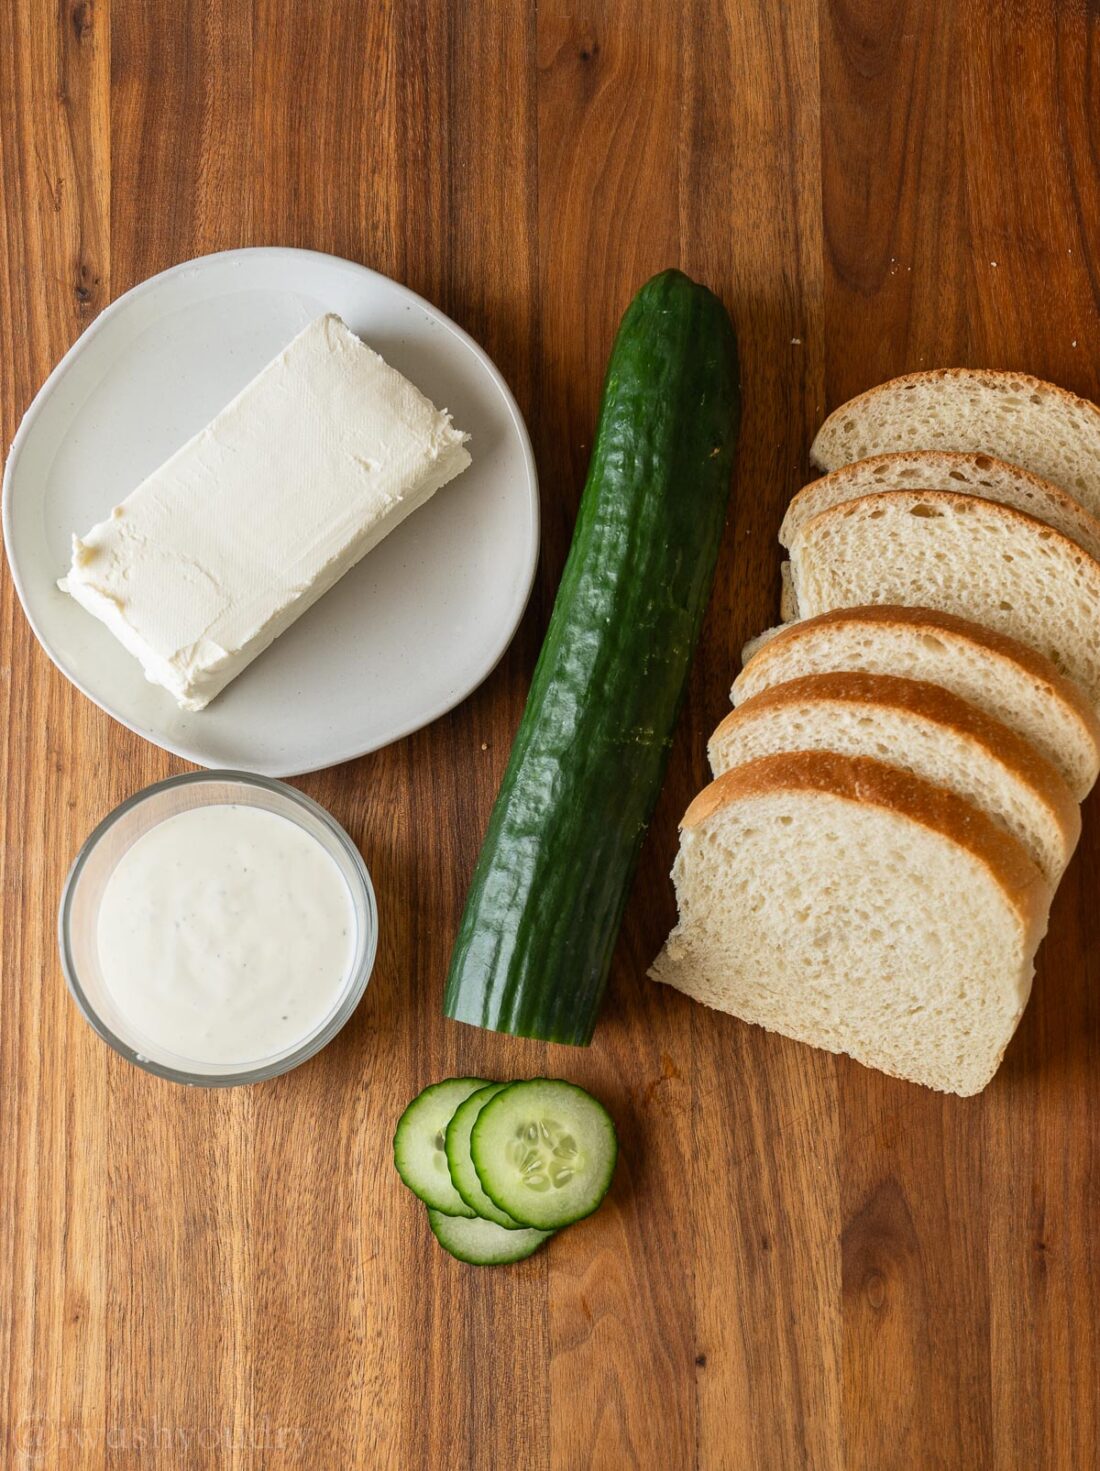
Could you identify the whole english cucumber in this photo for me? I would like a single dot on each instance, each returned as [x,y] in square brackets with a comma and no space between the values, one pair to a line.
[543,912]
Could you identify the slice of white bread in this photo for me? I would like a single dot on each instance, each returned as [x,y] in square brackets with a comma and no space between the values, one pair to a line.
[750,649]
[855,907]
[1011,682]
[788,603]
[981,475]
[923,729]
[1016,417]
[957,554]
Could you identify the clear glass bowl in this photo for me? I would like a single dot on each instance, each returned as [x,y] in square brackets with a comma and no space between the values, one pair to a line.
[79,915]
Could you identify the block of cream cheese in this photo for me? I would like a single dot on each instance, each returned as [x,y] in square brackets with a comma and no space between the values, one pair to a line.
[252,520]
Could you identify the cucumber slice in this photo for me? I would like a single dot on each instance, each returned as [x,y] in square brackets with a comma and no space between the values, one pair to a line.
[463,1175]
[544,1152]
[481,1243]
[418,1144]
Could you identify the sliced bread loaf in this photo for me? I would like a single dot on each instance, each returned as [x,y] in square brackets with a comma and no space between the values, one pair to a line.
[957,554]
[1014,684]
[980,475]
[852,906]
[923,729]
[1016,417]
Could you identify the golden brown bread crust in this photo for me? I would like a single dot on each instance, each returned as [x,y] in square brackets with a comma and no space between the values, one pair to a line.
[1037,665]
[952,461]
[864,781]
[988,376]
[928,702]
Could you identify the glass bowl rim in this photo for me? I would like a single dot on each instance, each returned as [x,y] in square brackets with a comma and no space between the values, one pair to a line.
[260,1072]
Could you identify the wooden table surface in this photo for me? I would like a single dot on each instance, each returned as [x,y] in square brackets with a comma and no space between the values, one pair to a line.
[802,1263]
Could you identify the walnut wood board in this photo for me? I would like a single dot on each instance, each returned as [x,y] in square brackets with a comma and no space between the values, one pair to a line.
[802,1263]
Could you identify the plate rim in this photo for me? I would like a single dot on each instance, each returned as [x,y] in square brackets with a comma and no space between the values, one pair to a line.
[338,757]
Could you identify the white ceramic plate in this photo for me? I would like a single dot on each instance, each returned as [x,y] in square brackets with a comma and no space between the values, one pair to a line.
[403,637]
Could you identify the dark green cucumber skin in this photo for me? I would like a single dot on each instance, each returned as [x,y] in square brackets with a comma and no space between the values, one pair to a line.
[543,912]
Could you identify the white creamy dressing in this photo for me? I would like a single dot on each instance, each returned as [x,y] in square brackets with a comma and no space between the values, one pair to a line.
[226,934]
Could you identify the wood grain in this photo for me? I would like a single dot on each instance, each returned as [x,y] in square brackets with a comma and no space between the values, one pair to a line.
[802,1264]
